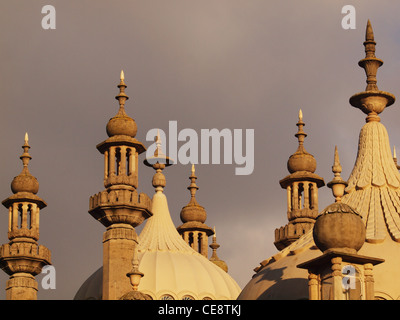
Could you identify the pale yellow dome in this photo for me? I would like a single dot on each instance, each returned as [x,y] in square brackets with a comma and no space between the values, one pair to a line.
[172,269]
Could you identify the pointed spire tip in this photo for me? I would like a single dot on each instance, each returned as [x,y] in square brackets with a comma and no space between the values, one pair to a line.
[122,77]
[369,34]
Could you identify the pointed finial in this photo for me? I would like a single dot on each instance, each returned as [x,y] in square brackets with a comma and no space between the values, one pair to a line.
[336,168]
[214,257]
[25,157]
[158,139]
[370,63]
[193,187]
[372,101]
[369,33]
[122,97]
[158,162]
[337,184]
[135,275]
[300,135]
[215,233]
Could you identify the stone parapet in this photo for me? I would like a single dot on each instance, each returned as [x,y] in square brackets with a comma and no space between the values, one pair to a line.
[120,206]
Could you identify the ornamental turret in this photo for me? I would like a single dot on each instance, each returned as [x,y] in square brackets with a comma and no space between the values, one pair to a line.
[194,230]
[119,207]
[302,192]
[22,258]
[214,257]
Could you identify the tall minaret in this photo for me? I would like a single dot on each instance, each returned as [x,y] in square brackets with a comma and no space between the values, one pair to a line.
[302,192]
[119,207]
[22,258]
[193,230]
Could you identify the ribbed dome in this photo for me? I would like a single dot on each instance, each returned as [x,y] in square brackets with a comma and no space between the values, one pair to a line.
[25,182]
[193,212]
[172,269]
[301,160]
[121,124]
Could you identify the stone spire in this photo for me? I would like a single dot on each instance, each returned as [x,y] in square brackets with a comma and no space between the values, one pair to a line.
[302,192]
[372,101]
[214,257]
[194,230]
[119,207]
[22,258]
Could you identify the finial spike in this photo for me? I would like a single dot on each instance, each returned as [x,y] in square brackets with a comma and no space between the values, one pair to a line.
[300,115]
[369,33]
[215,233]
[122,77]
[336,168]
[193,169]
[394,152]
[26,138]
[337,184]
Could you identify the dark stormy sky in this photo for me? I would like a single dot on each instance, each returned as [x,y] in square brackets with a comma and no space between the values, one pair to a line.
[206,64]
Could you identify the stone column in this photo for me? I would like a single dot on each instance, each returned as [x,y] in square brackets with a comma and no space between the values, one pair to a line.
[119,243]
[337,279]
[369,282]
[21,286]
[313,286]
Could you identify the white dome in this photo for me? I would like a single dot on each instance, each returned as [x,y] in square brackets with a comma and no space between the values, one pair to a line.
[172,269]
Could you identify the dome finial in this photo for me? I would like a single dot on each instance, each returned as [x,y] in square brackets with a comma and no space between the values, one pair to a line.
[193,187]
[369,33]
[372,101]
[214,257]
[300,135]
[337,184]
[301,160]
[25,182]
[121,124]
[370,63]
[25,157]
[135,275]
[158,162]
[122,97]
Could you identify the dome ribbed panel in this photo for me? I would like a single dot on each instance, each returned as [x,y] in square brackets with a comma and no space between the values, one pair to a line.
[374,185]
